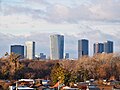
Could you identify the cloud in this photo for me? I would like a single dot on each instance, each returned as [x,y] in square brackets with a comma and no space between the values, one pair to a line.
[97,10]
[37,1]
[106,10]
[21,10]
[60,13]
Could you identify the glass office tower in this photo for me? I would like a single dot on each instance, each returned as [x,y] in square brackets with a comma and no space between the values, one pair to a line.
[56,47]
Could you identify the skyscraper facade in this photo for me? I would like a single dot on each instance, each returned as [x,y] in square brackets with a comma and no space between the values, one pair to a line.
[83,48]
[30,49]
[98,48]
[108,47]
[18,49]
[56,47]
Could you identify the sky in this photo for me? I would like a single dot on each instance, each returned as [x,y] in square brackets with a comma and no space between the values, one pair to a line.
[69,17]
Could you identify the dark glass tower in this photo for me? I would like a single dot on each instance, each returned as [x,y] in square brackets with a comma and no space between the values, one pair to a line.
[18,49]
[98,48]
[108,47]
[83,47]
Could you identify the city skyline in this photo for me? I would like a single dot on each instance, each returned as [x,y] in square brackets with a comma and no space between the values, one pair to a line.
[43,45]
[57,50]
[24,20]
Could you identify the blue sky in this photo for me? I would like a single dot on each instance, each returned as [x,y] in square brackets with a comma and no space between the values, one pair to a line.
[97,20]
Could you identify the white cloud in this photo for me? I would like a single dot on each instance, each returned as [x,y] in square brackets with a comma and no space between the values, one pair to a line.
[99,10]
[106,9]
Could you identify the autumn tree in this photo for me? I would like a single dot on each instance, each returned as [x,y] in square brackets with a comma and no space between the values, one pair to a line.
[58,74]
[10,66]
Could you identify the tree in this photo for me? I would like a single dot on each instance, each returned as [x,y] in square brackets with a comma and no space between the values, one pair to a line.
[58,74]
[10,66]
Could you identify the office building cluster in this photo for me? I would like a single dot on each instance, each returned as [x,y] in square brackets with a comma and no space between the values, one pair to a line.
[83,47]
[57,48]
[105,47]
[29,50]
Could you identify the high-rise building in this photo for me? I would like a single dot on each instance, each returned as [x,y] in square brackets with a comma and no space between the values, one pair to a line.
[108,47]
[98,48]
[56,47]
[18,49]
[83,48]
[30,50]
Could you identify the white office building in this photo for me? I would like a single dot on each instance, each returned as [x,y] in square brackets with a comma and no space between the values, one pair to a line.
[30,49]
